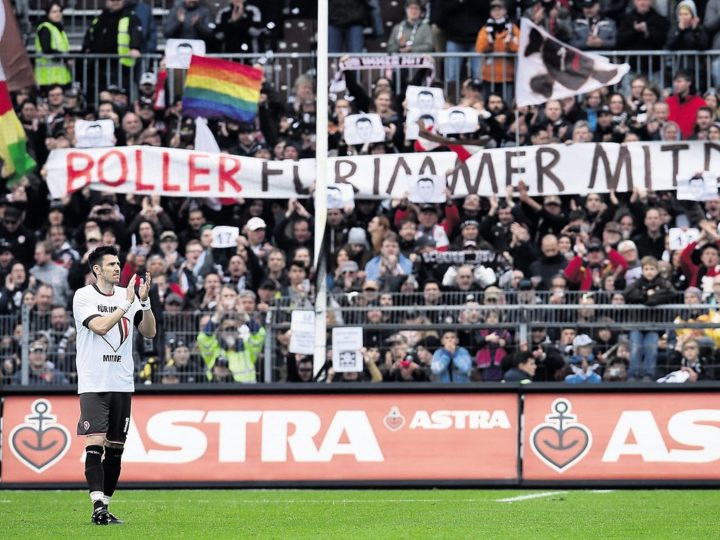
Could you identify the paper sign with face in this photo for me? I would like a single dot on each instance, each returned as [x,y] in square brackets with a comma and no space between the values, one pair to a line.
[458,120]
[94,134]
[699,187]
[346,345]
[425,98]
[178,52]
[680,238]
[340,196]
[411,126]
[427,188]
[363,128]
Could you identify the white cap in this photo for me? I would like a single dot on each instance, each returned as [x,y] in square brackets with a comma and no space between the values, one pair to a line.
[256,223]
[148,78]
[583,340]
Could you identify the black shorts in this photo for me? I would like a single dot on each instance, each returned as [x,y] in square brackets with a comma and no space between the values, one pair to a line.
[105,413]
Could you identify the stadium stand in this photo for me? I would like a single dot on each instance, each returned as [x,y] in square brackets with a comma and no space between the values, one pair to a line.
[568,278]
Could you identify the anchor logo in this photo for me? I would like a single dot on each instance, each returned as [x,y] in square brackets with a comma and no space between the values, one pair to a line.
[560,442]
[40,442]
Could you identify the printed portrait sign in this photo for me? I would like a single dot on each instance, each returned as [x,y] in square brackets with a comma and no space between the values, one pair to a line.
[94,134]
[680,238]
[458,120]
[178,52]
[340,196]
[425,99]
[427,189]
[346,345]
[699,187]
[363,128]
[411,123]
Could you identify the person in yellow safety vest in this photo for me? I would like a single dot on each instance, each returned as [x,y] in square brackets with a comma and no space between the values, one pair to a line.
[52,43]
[116,31]
[240,344]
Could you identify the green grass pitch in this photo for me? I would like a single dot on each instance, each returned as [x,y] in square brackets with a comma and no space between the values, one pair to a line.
[355,514]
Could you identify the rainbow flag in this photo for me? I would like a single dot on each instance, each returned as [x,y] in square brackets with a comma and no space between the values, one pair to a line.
[13,150]
[222,89]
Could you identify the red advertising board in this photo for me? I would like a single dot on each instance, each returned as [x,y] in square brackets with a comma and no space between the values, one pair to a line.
[629,436]
[256,438]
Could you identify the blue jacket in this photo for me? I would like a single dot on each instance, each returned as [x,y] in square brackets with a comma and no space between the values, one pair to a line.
[372,268]
[458,371]
[144,13]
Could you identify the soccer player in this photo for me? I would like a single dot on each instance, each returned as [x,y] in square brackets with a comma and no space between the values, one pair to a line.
[104,317]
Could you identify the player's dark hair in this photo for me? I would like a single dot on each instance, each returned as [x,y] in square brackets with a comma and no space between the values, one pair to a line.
[97,255]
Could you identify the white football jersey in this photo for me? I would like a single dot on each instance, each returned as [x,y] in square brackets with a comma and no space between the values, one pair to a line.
[104,363]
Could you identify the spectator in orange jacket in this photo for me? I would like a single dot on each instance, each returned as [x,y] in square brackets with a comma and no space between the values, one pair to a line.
[499,35]
[586,270]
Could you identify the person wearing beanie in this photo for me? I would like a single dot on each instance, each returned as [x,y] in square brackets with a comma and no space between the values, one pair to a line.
[688,32]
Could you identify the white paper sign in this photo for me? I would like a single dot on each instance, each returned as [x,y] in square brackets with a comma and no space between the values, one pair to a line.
[179,51]
[698,187]
[94,134]
[363,128]
[458,120]
[340,196]
[425,98]
[426,188]
[302,332]
[411,123]
[346,345]
[225,236]
[680,238]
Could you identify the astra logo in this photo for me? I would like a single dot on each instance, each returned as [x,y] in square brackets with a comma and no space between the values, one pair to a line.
[637,433]
[285,436]
[460,420]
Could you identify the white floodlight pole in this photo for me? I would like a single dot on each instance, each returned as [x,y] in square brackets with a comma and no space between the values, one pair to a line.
[321,160]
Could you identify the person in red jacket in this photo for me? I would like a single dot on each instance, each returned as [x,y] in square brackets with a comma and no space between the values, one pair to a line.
[684,104]
[592,263]
[700,260]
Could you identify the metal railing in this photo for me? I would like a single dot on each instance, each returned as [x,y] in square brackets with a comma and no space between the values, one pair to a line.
[95,72]
[406,315]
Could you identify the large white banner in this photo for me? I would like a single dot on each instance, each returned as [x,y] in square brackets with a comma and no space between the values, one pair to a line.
[551,169]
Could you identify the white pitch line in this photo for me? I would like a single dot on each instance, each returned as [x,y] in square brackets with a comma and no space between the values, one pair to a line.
[531,496]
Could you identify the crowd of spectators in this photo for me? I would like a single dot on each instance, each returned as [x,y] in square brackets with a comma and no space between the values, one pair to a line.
[214,303]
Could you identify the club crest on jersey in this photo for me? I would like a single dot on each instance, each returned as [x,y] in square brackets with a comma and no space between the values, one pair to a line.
[117,335]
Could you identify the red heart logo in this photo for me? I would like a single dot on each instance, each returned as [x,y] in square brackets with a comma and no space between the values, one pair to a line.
[40,450]
[394,420]
[561,448]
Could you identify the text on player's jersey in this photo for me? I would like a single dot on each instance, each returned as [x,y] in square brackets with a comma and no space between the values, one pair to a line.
[104,363]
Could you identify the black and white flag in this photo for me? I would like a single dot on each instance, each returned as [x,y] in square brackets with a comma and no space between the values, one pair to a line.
[551,69]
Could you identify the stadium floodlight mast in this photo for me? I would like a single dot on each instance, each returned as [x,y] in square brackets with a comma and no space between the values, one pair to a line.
[321,150]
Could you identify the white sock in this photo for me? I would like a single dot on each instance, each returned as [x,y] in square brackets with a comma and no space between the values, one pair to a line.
[97,496]
[106,500]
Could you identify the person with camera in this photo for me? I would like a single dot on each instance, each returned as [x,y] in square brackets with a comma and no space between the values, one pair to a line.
[499,35]
[413,35]
[591,31]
